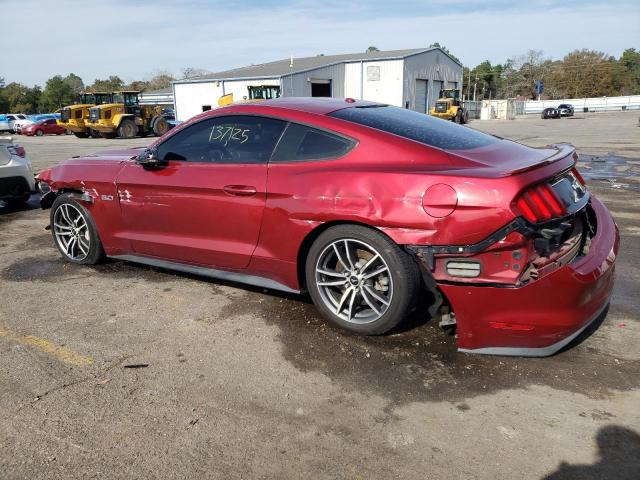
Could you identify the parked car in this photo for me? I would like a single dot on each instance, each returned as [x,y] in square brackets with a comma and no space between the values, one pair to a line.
[550,113]
[17,120]
[16,175]
[5,126]
[566,110]
[366,206]
[48,126]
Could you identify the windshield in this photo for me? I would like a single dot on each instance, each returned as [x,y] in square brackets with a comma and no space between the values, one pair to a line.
[449,94]
[416,126]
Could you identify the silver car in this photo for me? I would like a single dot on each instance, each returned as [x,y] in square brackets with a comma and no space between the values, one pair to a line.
[17,182]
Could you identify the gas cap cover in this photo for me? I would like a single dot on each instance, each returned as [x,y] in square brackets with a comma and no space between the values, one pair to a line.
[440,200]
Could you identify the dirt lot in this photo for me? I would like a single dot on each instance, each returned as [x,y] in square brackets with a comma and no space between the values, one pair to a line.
[122,371]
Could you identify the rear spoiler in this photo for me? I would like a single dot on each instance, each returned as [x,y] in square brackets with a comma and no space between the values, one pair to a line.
[563,150]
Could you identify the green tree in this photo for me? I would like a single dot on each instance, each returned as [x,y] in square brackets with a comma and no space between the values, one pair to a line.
[57,93]
[160,80]
[630,72]
[444,49]
[372,49]
[111,84]
[75,83]
[18,98]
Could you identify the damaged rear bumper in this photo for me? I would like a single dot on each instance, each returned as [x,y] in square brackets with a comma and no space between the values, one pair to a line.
[542,316]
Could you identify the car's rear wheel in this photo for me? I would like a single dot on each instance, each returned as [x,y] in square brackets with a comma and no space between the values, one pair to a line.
[74,232]
[361,280]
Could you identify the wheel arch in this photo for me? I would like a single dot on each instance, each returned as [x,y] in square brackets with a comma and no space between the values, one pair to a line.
[428,283]
[46,201]
[123,117]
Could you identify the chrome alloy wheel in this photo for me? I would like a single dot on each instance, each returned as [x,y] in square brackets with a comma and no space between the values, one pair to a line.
[71,232]
[354,281]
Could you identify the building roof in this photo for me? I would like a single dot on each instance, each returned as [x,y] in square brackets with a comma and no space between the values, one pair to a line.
[283,67]
[162,91]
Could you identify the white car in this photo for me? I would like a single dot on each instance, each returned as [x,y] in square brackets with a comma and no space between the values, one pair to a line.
[4,124]
[17,182]
[17,121]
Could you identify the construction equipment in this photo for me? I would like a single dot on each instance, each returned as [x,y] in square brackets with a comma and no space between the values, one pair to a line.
[126,118]
[256,94]
[74,117]
[449,107]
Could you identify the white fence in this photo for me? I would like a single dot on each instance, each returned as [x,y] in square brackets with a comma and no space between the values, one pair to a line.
[583,105]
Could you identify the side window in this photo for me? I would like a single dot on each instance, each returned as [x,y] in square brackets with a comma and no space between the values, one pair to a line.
[226,139]
[301,143]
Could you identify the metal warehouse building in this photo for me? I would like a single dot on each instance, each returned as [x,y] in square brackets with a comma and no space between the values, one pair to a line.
[405,78]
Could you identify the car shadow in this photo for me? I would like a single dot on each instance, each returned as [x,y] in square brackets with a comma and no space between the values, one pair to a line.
[619,458]
[32,204]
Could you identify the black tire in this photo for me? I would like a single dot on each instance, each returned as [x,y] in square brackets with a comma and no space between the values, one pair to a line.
[39,132]
[127,129]
[95,251]
[465,117]
[107,135]
[94,133]
[404,278]
[160,126]
[81,134]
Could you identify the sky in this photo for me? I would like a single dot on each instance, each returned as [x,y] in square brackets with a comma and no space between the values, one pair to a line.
[136,39]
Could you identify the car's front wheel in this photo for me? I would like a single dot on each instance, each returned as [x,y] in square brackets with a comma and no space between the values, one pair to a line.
[361,280]
[74,231]
[39,132]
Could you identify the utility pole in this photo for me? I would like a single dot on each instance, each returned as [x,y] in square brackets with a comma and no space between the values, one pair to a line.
[469,86]
[475,83]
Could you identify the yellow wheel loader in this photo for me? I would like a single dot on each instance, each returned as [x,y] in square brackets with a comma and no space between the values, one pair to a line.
[449,107]
[74,117]
[126,118]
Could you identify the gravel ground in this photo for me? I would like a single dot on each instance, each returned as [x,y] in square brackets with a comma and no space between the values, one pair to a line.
[123,371]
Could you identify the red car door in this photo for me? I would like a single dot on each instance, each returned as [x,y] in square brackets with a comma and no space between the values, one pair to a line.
[203,205]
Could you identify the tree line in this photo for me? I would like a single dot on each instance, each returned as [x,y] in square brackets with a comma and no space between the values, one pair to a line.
[59,91]
[581,73]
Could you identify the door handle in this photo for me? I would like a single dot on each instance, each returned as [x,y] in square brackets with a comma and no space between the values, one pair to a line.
[241,190]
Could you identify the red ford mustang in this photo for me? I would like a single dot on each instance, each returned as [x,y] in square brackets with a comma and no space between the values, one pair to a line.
[365,206]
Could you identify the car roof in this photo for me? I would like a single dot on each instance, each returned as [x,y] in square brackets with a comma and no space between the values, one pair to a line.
[321,106]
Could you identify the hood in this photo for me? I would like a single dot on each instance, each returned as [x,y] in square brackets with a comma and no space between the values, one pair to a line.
[504,158]
[119,155]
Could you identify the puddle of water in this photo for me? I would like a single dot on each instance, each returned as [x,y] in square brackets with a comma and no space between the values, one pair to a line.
[619,171]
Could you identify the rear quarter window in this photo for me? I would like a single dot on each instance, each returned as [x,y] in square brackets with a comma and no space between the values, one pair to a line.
[416,126]
[301,143]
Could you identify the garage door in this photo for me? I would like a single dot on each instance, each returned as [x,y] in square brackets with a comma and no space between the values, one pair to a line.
[421,96]
[435,92]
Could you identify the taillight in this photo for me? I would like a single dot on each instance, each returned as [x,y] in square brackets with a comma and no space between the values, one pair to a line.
[17,150]
[539,203]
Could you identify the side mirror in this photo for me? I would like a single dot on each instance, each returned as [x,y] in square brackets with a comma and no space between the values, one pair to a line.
[149,159]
